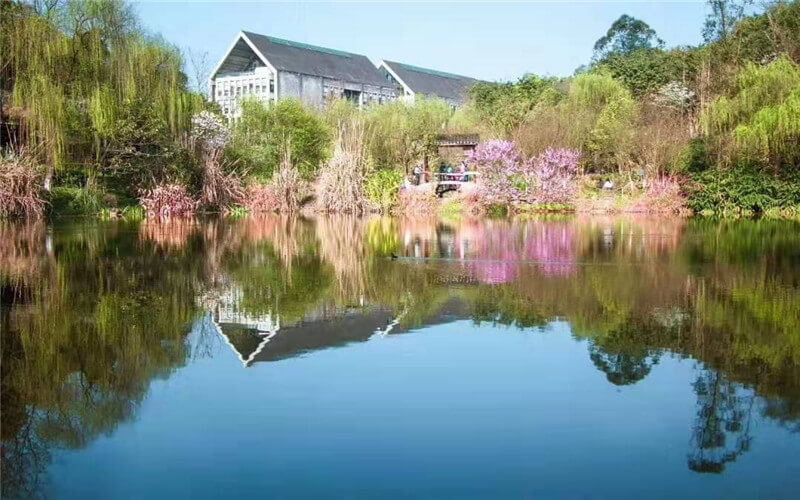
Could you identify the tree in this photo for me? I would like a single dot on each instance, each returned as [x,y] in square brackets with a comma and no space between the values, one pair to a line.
[723,17]
[200,69]
[625,36]
[263,133]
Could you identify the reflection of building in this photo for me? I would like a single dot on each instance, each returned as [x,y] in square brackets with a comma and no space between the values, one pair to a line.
[271,68]
[260,338]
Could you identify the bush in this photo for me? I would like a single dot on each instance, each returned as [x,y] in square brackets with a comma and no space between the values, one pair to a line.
[382,187]
[598,116]
[414,201]
[646,70]
[165,200]
[502,171]
[504,107]
[662,194]
[552,176]
[261,198]
[341,182]
[262,132]
[20,187]
[742,190]
[66,200]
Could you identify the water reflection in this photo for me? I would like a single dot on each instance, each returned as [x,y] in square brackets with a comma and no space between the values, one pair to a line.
[92,313]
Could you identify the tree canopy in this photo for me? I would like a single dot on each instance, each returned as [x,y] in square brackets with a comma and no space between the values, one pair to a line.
[625,36]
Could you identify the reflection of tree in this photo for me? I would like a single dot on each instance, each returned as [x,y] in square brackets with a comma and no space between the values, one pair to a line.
[106,314]
[97,313]
[621,368]
[722,426]
[785,411]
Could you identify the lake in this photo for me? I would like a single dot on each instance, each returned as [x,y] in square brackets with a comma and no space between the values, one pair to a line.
[558,356]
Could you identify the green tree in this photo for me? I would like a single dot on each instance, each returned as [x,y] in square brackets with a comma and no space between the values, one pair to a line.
[625,36]
[722,18]
[263,131]
[398,133]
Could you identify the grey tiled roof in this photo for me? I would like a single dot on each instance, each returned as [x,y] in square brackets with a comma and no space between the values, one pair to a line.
[431,82]
[296,57]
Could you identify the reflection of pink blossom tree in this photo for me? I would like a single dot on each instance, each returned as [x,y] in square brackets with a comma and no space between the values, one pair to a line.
[498,251]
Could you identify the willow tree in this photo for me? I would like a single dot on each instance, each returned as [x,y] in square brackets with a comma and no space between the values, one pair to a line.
[72,68]
[760,120]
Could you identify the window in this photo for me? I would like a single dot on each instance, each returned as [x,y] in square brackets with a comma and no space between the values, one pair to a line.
[271,86]
[258,89]
[353,96]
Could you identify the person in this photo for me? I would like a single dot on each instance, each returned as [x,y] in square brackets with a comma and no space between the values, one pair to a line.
[462,169]
[417,174]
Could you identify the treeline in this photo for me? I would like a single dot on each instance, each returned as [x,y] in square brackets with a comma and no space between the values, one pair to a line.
[724,116]
[98,118]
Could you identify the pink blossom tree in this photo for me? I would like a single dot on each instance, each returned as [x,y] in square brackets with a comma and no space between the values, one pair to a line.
[508,179]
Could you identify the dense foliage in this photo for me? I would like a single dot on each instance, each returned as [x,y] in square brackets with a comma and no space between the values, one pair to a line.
[643,115]
[263,133]
[98,101]
[104,108]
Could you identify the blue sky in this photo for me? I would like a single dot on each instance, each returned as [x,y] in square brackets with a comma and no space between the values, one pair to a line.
[492,41]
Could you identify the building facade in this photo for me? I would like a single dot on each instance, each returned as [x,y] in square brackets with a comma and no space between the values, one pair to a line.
[270,68]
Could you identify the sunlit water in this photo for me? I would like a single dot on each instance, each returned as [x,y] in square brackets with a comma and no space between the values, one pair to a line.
[379,358]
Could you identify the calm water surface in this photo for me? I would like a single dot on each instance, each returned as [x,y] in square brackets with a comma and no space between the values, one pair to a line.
[553,357]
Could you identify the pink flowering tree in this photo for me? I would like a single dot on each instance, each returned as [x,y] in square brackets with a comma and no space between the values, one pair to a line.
[508,179]
[552,176]
[502,171]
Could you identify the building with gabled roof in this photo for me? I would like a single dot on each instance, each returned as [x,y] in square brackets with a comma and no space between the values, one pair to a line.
[424,82]
[272,68]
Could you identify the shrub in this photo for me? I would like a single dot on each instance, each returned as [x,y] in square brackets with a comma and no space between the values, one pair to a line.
[504,107]
[67,200]
[209,131]
[261,133]
[165,200]
[413,201]
[341,182]
[611,116]
[553,176]
[597,116]
[382,187]
[662,194]
[661,141]
[20,187]
[287,182]
[261,198]
[742,190]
